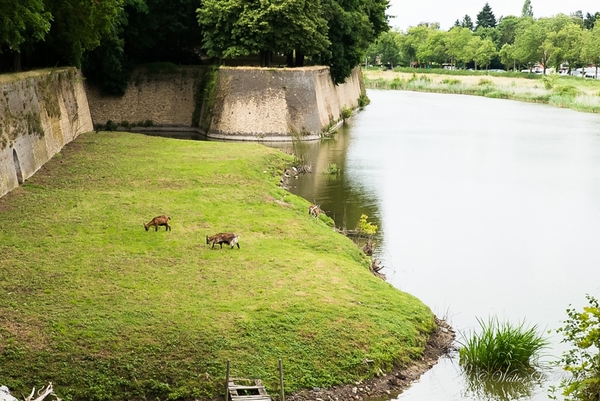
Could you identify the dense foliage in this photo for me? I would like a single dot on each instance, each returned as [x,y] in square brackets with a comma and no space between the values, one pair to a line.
[581,331]
[330,32]
[568,41]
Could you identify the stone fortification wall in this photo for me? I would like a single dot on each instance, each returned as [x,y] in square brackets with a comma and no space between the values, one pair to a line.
[268,104]
[164,98]
[40,112]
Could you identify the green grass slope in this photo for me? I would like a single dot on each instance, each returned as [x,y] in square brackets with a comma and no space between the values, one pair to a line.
[108,311]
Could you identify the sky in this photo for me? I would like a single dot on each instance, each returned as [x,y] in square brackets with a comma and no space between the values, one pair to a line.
[412,12]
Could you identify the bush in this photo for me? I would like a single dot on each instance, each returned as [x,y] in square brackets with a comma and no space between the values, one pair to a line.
[346,113]
[501,347]
[364,227]
[566,90]
[451,81]
[582,331]
[485,82]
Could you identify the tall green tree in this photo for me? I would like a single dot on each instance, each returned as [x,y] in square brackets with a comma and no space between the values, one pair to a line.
[389,48]
[77,27]
[527,10]
[413,40]
[507,29]
[434,48]
[22,23]
[353,25]
[469,52]
[567,44]
[485,53]
[531,44]
[456,41]
[467,22]
[486,18]
[590,50]
[507,56]
[590,20]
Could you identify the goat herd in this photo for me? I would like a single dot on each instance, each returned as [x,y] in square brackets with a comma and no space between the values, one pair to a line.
[230,239]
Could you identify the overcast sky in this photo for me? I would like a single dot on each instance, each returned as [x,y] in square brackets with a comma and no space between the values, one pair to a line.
[412,12]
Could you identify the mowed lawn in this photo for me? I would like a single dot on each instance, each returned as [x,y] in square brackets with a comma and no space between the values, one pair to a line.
[108,311]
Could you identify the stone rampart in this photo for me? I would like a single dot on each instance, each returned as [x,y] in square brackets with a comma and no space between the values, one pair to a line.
[235,103]
[40,112]
[279,104]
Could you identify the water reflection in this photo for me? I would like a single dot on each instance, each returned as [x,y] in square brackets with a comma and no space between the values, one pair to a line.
[501,386]
[339,195]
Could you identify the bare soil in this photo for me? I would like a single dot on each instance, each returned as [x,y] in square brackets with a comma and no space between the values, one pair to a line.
[391,384]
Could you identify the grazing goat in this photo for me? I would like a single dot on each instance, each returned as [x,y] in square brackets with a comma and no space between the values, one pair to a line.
[227,238]
[159,221]
[313,211]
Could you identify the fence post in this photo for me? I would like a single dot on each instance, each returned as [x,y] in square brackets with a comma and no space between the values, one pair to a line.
[282,396]
[227,382]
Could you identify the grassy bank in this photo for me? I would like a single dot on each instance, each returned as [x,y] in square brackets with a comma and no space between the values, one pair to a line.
[566,92]
[108,311]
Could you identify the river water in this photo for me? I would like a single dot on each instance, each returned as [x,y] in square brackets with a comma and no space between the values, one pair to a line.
[484,207]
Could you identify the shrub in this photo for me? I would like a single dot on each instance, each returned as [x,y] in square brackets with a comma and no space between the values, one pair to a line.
[485,82]
[549,81]
[364,227]
[363,100]
[566,90]
[346,113]
[582,331]
[501,347]
[450,81]
[332,169]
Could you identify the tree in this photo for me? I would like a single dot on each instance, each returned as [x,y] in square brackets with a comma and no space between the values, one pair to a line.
[486,18]
[527,10]
[388,48]
[469,52]
[567,44]
[353,25]
[590,51]
[467,22]
[234,28]
[434,48]
[507,29]
[22,22]
[507,56]
[456,41]
[485,53]
[531,44]
[413,40]
[590,20]
[78,26]
[582,331]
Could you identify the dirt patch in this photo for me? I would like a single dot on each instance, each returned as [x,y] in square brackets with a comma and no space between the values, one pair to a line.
[391,384]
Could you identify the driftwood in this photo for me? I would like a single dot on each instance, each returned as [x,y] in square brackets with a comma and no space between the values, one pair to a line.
[368,247]
[42,393]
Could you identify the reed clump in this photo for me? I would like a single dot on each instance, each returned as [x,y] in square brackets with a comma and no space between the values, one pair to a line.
[502,347]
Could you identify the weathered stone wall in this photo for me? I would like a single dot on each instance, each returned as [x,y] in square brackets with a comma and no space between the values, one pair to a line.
[242,103]
[166,98]
[40,112]
[267,104]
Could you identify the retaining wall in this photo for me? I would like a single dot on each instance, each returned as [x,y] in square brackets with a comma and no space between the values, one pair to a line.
[40,112]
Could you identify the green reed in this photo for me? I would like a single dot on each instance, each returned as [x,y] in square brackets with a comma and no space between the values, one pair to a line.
[502,347]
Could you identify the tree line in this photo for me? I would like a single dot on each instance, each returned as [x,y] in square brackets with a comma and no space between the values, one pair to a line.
[511,42]
[108,38]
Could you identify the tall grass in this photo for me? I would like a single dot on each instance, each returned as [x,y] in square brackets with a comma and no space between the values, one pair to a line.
[502,347]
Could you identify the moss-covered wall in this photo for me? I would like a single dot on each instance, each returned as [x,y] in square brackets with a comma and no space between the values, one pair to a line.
[40,112]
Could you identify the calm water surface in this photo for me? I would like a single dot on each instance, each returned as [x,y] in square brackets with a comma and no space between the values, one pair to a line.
[485,208]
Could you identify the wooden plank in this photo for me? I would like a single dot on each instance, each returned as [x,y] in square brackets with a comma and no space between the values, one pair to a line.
[250,398]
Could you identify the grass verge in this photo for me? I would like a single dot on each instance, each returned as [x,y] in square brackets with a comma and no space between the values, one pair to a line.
[564,92]
[107,311]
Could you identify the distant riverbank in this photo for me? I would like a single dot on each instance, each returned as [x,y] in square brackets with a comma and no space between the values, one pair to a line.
[566,92]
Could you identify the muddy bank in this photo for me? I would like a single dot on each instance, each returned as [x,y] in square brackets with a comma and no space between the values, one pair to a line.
[440,344]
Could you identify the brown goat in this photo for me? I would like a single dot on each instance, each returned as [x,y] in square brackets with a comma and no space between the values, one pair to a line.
[313,211]
[159,221]
[221,238]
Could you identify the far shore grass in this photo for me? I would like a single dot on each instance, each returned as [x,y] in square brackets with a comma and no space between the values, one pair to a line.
[108,311]
[576,93]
